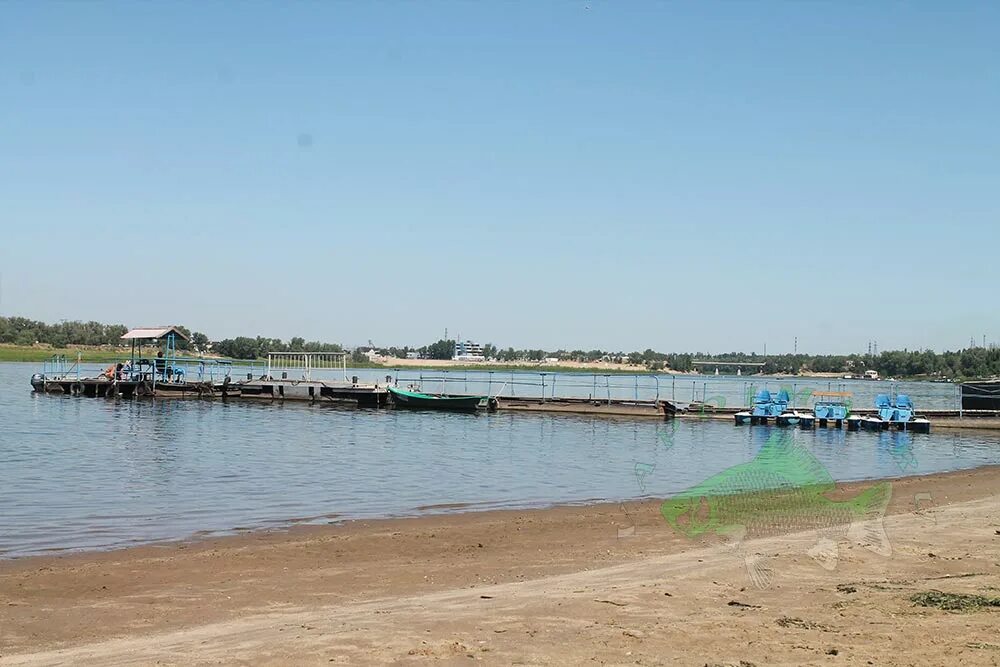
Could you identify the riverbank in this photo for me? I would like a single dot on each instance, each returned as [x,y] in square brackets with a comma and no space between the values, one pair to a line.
[564,585]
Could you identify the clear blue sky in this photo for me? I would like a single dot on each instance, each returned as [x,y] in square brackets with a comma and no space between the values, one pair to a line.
[681,176]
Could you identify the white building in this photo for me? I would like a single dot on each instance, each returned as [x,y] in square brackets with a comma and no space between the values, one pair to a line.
[468,351]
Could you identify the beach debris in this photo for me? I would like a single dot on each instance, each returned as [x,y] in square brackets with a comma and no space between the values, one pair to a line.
[846,588]
[789,622]
[742,605]
[486,597]
[832,651]
[954,601]
[617,604]
[982,645]
[783,489]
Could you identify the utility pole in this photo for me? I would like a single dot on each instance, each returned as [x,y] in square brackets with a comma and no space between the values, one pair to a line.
[796,345]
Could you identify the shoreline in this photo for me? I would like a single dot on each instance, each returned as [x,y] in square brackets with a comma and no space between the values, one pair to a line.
[10,353]
[294,528]
[179,601]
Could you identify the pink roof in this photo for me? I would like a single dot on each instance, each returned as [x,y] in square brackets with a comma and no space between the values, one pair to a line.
[147,333]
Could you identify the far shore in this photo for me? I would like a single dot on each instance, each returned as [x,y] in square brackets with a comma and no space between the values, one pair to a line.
[105,354]
[610,583]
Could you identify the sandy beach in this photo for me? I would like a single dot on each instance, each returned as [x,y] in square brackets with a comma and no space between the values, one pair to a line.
[604,583]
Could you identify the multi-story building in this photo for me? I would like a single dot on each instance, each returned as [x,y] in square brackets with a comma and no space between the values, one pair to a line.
[468,351]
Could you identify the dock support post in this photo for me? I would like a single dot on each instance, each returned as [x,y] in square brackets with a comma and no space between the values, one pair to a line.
[543,386]
[673,388]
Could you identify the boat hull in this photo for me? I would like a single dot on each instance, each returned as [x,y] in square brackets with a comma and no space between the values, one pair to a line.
[415,400]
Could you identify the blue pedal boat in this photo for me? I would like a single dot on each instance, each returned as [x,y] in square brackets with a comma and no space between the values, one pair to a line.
[899,414]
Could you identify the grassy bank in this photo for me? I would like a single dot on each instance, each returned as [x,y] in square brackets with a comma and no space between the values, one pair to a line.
[39,354]
[87,354]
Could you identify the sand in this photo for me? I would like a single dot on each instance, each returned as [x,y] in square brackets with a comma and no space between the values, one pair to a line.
[567,585]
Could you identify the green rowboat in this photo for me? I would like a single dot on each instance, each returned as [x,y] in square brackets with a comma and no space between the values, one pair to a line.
[417,399]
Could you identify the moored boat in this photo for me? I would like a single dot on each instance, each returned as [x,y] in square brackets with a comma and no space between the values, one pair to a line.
[767,406]
[417,399]
[898,413]
[830,408]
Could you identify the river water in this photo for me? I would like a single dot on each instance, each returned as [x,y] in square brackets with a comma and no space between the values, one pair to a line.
[83,473]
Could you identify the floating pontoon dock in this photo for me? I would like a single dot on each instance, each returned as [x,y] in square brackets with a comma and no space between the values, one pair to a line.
[169,375]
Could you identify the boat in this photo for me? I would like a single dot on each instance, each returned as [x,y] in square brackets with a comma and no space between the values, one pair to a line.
[404,398]
[829,407]
[898,413]
[767,405]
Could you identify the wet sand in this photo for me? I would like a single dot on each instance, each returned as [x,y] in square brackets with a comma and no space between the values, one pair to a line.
[567,585]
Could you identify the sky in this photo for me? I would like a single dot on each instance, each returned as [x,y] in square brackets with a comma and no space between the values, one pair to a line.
[710,176]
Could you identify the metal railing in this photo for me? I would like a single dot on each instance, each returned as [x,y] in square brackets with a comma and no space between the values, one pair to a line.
[718,391]
[287,364]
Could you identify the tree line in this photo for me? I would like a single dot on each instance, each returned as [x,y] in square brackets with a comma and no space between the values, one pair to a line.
[966,363]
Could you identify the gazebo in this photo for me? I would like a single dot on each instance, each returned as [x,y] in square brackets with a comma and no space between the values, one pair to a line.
[164,366]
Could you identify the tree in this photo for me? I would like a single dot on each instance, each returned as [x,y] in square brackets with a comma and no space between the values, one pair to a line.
[200,341]
[443,349]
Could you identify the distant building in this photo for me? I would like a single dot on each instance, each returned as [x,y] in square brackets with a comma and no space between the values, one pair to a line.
[413,355]
[468,351]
